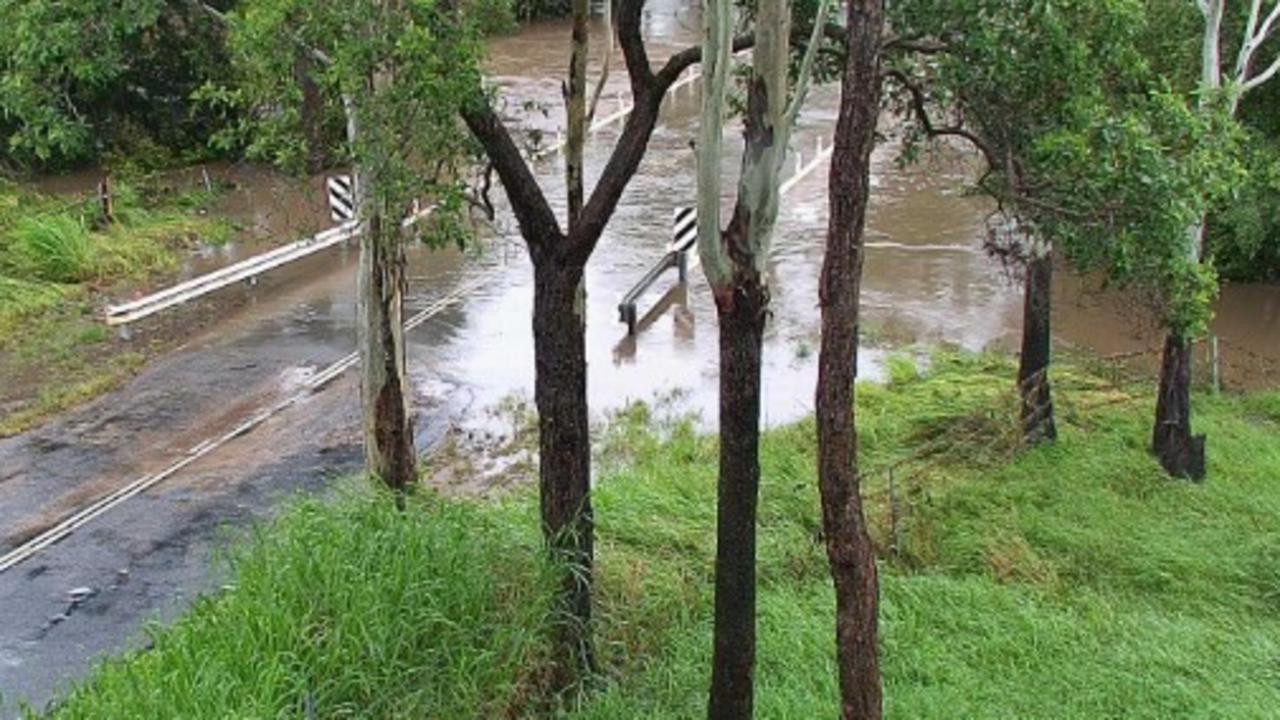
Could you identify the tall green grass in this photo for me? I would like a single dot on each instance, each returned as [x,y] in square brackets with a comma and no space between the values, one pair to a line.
[41,240]
[55,248]
[23,298]
[54,260]
[1072,581]
[349,610]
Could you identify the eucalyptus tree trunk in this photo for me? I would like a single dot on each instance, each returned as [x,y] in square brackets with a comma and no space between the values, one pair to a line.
[849,550]
[560,393]
[386,420]
[1033,368]
[1180,452]
[312,111]
[734,261]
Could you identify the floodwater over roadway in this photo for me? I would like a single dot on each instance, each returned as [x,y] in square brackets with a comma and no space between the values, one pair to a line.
[928,282]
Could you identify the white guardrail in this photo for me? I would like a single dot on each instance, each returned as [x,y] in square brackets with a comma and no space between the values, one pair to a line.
[246,269]
[143,307]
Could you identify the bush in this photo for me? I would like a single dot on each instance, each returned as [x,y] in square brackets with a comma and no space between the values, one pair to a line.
[56,248]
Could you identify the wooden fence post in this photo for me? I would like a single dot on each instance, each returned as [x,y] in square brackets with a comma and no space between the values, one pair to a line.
[105,200]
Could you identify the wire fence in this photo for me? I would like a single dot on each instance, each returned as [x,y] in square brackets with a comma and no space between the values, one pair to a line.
[1218,364]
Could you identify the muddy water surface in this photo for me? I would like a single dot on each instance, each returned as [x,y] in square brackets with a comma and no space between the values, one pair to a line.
[927,281]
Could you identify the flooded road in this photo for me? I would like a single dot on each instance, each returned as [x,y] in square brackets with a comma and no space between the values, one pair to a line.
[927,281]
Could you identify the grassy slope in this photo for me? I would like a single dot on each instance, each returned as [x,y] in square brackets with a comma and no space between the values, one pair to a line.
[52,260]
[1068,582]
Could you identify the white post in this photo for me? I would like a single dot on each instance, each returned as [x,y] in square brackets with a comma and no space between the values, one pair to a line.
[1216,363]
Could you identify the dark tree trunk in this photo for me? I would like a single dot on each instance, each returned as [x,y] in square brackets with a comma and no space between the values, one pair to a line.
[564,471]
[313,116]
[1033,369]
[849,550]
[560,392]
[741,309]
[1181,454]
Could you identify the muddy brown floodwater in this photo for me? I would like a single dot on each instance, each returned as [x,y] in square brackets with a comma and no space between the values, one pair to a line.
[927,281]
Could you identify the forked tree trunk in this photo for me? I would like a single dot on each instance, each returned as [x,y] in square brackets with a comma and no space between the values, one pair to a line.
[558,323]
[1033,369]
[741,303]
[734,262]
[1181,454]
[560,392]
[849,550]
[741,309]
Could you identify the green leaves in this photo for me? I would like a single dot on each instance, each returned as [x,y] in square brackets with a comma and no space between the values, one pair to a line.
[75,77]
[404,67]
[1089,147]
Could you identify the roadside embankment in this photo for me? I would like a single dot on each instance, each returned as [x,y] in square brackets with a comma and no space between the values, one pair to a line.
[1071,581]
[58,259]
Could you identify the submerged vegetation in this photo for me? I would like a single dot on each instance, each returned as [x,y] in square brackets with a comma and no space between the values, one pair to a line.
[1068,581]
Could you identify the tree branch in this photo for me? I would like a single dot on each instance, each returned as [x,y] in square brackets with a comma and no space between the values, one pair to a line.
[920,46]
[647,90]
[919,104]
[806,65]
[1261,77]
[604,71]
[632,42]
[691,56]
[1255,37]
[538,223]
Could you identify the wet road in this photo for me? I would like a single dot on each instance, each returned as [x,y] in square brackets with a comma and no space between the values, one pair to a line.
[927,281]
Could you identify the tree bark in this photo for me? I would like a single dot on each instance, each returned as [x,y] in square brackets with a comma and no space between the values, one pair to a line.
[1181,454]
[741,309]
[312,112]
[559,347]
[849,550]
[1033,369]
[576,110]
[386,420]
[388,423]
[560,392]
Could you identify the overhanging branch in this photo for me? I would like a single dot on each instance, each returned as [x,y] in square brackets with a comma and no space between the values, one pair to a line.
[919,105]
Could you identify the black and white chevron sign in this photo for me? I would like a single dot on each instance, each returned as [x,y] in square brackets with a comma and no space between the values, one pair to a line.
[342,198]
[686,229]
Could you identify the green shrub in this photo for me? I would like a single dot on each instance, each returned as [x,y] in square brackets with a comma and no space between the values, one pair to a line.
[56,248]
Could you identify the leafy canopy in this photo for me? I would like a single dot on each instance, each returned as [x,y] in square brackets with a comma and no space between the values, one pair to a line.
[1089,149]
[399,70]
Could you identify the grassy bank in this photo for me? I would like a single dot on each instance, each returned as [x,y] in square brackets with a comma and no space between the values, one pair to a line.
[1067,582]
[57,260]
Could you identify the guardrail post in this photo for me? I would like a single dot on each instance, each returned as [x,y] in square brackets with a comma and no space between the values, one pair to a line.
[628,312]
[1215,362]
